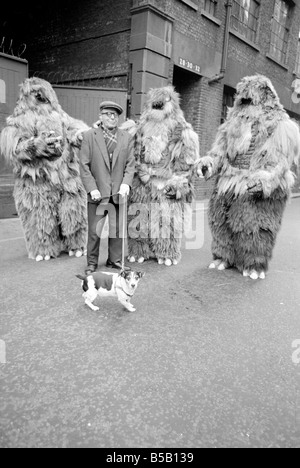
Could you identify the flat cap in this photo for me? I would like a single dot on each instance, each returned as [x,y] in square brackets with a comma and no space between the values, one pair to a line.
[111,105]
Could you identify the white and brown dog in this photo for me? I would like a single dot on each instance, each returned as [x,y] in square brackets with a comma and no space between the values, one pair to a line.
[101,284]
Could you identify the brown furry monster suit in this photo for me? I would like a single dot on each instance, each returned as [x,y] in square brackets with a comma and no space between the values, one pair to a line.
[40,141]
[252,156]
[166,150]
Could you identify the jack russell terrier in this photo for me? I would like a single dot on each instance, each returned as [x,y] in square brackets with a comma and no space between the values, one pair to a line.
[101,284]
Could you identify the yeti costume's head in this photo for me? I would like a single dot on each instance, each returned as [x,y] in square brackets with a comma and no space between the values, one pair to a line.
[161,104]
[37,95]
[256,91]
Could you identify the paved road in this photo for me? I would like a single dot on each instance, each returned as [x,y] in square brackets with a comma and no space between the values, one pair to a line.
[206,361]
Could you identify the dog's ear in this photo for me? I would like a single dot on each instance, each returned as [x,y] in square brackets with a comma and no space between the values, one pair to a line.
[141,274]
[82,278]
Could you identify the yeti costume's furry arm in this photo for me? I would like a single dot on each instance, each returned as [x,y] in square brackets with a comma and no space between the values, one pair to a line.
[275,158]
[178,168]
[184,150]
[256,146]
[210,165]
[270,158]
[24,145]
[74,128]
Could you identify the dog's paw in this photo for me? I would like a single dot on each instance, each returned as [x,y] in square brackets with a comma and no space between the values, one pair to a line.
[39,258]
[160,261]
[141,260]
[168,262]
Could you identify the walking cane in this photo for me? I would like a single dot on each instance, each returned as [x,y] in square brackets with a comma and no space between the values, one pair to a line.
[124,231]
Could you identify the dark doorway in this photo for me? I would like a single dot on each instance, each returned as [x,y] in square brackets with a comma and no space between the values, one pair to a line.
[187,84]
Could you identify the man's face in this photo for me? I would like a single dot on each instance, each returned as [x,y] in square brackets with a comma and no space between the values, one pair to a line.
[109,118]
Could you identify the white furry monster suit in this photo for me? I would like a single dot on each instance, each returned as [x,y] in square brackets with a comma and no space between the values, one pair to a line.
[40,141]
[252,156]
[166,150]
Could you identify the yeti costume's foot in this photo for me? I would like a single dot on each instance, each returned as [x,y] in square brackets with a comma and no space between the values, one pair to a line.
[133,260]
[167,262]
[76,253]
[253,274]
[41,258]
[219,264]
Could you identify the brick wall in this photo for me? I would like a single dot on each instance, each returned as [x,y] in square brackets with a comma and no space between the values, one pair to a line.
[86,43]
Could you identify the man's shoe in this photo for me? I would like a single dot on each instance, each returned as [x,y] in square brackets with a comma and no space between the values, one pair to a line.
[90,269]
[117,266]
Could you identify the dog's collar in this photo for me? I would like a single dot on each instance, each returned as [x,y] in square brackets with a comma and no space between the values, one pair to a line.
[129,295]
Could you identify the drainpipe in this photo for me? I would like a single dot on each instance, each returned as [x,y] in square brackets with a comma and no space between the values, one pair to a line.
[221,75]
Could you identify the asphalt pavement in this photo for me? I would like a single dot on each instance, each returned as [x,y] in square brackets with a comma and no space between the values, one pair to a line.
[207,360]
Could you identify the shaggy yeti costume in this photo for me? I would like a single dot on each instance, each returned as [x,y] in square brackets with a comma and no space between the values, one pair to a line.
[166,150]
[252,156]
[40,141]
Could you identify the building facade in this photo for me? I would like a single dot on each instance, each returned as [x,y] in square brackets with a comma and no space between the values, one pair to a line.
[202,47]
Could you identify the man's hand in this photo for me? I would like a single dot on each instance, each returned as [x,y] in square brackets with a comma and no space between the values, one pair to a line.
[95,195]
[124,190]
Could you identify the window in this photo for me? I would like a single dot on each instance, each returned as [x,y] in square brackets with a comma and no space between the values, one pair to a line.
[297,67]
[244,18]
[280,30]
[2,92]
[210,6]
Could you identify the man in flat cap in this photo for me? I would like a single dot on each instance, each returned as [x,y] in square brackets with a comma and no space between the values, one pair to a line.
[107,166]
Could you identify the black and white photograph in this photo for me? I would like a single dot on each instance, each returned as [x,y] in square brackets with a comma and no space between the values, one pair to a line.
[150,226]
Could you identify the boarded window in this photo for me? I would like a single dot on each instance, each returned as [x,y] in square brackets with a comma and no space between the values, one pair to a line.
[297,67]
[2,92]
[210,6]
[244,18]
[280,28]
